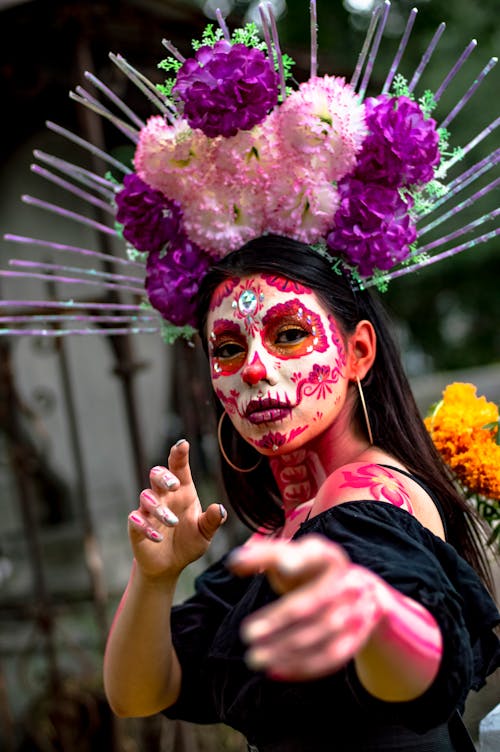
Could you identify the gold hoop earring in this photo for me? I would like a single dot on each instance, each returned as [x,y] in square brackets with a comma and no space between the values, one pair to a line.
[365,411]
[223,451]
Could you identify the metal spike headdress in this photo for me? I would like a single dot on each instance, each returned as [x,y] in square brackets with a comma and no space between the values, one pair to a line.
[234,152]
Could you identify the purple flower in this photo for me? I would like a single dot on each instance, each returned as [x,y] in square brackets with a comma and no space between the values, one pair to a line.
[373,228]
[402,145]
[173,279]
[149,219]
[226,88]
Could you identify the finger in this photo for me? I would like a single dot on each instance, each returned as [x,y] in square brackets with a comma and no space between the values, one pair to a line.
[163,480]
[139,528]
[298,561]
[309,600]
[210,520]
[178,462]
[163,514]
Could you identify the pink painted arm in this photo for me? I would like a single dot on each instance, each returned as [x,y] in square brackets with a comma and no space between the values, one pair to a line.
[332,611]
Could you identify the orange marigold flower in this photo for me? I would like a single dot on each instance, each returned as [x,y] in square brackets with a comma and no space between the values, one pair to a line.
[463,428]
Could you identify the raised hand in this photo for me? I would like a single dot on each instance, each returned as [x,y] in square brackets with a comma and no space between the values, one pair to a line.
[169,530]
[331,611]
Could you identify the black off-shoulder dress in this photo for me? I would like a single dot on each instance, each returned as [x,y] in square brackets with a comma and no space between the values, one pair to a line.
[335,714]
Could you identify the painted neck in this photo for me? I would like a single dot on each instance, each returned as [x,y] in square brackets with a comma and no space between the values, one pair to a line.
[300,473]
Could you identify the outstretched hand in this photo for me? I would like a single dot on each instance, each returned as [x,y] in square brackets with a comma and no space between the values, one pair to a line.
[169,529]
[328,610]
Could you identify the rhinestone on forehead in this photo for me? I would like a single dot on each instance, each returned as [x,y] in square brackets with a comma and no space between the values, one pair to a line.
[247,302]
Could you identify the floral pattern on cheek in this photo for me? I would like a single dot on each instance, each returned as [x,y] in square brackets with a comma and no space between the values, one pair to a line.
[286,285]
[294,310]
[228,401]
[318,382]
[382,485]
[222,292]
[274,439]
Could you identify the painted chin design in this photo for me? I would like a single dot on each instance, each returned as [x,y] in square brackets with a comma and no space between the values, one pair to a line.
[267,410]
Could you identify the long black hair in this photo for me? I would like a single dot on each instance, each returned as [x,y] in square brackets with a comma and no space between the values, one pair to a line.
[395,420]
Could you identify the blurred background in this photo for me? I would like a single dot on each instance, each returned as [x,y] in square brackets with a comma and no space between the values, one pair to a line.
[82,420]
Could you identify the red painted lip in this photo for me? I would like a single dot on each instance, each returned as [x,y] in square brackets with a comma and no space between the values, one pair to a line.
[267,410]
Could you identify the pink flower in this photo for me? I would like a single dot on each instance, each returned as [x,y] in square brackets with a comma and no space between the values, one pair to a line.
[324,120]
[381,483]
[171,158]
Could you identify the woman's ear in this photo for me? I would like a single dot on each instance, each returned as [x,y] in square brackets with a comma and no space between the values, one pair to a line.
[361,349]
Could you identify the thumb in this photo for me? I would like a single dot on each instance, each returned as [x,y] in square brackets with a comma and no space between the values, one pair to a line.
[210,520]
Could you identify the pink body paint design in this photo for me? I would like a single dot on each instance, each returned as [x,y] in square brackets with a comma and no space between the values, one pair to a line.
[318,382]
[382,484]
[338,342]
[286,285]
[222,292]
[274,439]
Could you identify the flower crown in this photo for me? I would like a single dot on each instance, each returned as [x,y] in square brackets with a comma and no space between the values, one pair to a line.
[236,152]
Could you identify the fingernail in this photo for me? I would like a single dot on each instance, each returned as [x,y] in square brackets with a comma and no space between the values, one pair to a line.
[253,631]
[166,516]
[157,469]
[150,498]
[154,535]
[223,512]
[136,519]
[181,441]
[256,658]
[168,482]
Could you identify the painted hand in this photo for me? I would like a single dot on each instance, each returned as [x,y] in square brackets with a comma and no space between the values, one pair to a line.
[332,611]
[169,530]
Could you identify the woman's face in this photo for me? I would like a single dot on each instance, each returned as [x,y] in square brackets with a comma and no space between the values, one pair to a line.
[277,359]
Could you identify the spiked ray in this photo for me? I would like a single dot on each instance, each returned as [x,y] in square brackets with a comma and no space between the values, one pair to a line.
[460,207]
[453,72]
[468,94]
[460,183]
[115,99]
[70,304]
[88,146]
[79,332]
[426,56]
[457,233]
[399,54]
[60,211]
[366,46]
[86,252]
[70,318]
[71,280]
[277,50]
[79,174]
[386,7]
[442,256]
[73,270]
[165,106]
[314,39]
[85,195]
[84,98]
[223,25]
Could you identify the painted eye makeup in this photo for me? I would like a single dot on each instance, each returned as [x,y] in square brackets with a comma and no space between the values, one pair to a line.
[227,350]
[288,338]
[291,335]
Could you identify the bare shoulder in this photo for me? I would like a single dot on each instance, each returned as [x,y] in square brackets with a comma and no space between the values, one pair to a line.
[371,480]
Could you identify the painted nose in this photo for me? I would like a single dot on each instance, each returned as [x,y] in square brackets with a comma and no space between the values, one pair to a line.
[254,372]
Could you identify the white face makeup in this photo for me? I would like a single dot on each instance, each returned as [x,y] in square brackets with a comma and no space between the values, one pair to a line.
[278,362]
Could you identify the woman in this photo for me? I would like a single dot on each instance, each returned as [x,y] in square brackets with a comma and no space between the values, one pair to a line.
[347,621]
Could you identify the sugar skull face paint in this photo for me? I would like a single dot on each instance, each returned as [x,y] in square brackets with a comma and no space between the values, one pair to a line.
[278,362]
